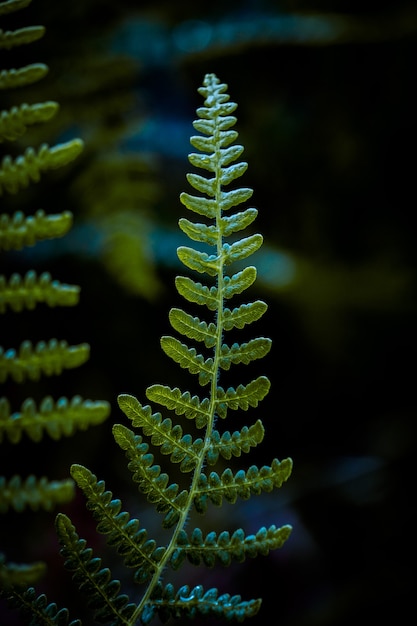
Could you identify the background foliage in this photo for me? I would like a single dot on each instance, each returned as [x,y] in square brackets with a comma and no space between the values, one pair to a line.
[327,116]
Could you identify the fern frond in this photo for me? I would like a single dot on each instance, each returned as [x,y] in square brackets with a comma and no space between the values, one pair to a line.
[151,481]
[193,327]
[124,533]
[13,123]
[58,419]
[13,5]
[19,574]
[188,358]
[11,79]
[26,292]
[94,580]
[18,173]
[224,547]
[243,397]
[186,602]
[17,231]
[244,352]
[182,403]
[233,444]
[241,485]
[28,34]
[46,358]
[34,493]
[181,448]
[38,609]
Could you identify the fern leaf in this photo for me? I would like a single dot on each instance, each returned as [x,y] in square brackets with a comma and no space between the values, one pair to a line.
[151,481]
[245,352]
[58,419]
[188,358]
[182,403]
[19,231]
[240,281]
[199,261]
[124,533]
[28,34]
[13,123]
[244,314]
[241,249]
[224,547]
[13,5]
[199,232]
[19,574]
[94,580]
[233,444]
[34,493]
[243,397]
[181,448]
[38,609]
[190,603]
[49,358]
[197,293]
[193,327]
[241,485]
[10,79]
[26,292]
[230,224]
[28,167]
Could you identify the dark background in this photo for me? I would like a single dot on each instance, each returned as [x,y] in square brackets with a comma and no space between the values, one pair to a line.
[327,117]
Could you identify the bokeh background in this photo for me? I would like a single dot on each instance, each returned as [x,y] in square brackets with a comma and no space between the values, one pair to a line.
[327,105]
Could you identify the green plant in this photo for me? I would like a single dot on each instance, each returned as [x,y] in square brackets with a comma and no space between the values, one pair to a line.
[192,455]
[28,363]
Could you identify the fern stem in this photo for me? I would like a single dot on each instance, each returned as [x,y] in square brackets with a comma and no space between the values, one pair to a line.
[213,392]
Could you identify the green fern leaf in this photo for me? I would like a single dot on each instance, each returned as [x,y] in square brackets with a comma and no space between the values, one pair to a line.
[244,352]
[28,167]
[151,481]
[28,34]
[225,547]
[58,419]
[49,358]
[93,580]
[193,327]
[190,603]
[14,123]
[233,444]
[230,224]
[34,493]
[182,403]
[197,293]
[19,231]
[13,5]
[189,359]
[10,79]
[244,314]
[181,448]
[124,533]
[25,293]
[38,609]
[243,397]
[18,574]
[241,485]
